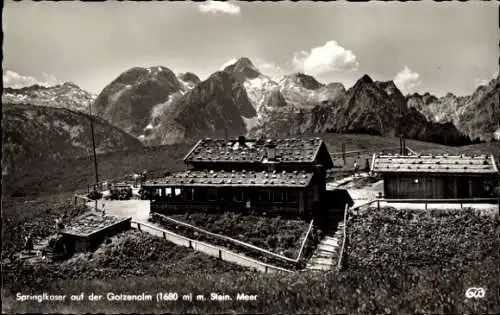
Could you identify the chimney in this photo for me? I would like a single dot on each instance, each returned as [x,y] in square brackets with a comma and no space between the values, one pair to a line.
[242,141]
[404,146]
[270,150]
[401,144]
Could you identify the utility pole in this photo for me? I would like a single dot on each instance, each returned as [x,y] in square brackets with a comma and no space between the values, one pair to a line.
[343,152]
[93,143]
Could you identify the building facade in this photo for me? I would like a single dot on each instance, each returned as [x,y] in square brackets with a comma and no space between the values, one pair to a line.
[283,177]
[437,176]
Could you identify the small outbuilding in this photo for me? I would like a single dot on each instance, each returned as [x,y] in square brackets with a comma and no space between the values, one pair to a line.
[436,176]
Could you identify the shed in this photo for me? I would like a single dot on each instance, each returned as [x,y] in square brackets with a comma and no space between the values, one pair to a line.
[436,176]
[88,231]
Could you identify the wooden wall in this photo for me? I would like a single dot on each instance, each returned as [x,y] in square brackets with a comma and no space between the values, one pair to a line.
[303,205]
[423,186]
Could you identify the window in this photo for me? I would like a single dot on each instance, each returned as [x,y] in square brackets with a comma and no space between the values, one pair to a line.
[188,193]
[212,194]
[264,196]
[291,196]
[278,196]
[238,196]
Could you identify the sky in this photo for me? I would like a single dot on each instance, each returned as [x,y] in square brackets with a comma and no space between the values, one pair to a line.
[424,46]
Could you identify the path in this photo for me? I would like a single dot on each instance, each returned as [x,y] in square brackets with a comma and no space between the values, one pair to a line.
[137,209]
[326,255]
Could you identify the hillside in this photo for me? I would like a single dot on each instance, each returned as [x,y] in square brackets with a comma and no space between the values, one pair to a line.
[67,95]
[34,134]
[73,174]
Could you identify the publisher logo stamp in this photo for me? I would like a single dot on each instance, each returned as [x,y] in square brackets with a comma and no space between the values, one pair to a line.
[475,293]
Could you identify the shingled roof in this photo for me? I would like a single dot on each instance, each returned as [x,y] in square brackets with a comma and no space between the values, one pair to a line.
[457,164]
[234,178]
[255,151]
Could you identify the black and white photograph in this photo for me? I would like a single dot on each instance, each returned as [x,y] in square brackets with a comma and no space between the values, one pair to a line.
[233,157]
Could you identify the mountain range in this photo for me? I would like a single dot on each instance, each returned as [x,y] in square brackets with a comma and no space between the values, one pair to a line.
[157,106]
[160,107]
[67,95]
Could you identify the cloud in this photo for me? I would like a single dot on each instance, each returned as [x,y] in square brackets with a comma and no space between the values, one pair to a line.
[479,82]
[407,80]
[327,58]
[270,67]
[227,64]
[219,7]
[15,80]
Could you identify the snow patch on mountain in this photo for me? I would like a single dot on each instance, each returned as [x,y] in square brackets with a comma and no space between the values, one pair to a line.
[67,95]
[496,135]
[259,89]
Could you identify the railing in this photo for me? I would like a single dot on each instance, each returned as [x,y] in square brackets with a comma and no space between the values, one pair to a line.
[349,153]
[243,244]
[411,151]
[461,201]
[79,200]
[344,237]
[299,255]
[208,249]
[336,154]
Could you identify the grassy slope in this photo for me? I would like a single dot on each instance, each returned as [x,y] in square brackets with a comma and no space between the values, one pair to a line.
[354,291]
[71,175]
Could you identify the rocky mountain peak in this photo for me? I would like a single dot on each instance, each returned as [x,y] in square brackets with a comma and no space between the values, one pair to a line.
[127,102]
[189,77]
[243,69]
[306,81]
[365,79]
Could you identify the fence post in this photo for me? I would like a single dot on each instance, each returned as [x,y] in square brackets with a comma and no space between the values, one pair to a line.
[426,205]
[220,254]
[190,244]
[139,227]
[378,204]
[164,235]
[266,269]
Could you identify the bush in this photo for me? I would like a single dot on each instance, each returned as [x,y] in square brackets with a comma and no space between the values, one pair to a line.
[283,237]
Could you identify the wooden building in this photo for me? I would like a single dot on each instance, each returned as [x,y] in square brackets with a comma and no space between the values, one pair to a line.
[88,231]
[283,176]
[436,176]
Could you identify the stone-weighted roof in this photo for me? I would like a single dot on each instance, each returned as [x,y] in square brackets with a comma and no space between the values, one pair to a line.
[458,164]
[255,151]
[234,178]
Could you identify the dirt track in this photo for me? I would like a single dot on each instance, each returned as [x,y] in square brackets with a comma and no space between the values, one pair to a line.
[137,209]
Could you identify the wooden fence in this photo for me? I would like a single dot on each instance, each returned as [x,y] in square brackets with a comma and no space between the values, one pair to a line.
[350,153]
[208,249]
[426,202]
[83,200]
